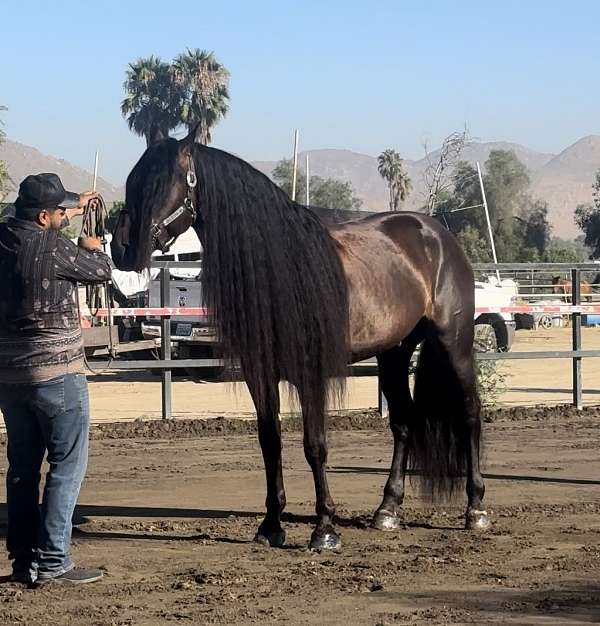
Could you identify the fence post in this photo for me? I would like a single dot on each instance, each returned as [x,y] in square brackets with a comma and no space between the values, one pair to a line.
[576,324]
[165,344]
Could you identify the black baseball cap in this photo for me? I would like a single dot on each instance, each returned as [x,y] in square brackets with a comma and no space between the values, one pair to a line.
[44,191]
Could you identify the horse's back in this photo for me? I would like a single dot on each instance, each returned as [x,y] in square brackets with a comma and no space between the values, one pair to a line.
[420,240]
[398,266]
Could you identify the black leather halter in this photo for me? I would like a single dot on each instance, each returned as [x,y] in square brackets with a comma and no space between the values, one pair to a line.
[162,238]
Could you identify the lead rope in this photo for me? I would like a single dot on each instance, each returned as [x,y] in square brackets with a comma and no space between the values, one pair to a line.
[94,225]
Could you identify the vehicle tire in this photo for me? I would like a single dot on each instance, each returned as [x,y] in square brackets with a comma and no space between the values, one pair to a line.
[485,338]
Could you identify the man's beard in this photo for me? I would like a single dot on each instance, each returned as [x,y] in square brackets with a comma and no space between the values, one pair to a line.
[63,224]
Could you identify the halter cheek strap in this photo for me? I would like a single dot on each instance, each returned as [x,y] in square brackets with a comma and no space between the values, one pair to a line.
[161,238]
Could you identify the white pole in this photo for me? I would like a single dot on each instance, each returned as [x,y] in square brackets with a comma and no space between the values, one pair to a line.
[95,172]
[487,219]
[307,182]
[295,165]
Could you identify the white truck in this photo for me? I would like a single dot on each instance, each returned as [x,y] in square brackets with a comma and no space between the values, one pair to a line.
[494,332]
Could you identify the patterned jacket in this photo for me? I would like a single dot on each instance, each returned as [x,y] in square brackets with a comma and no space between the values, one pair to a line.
[40,332]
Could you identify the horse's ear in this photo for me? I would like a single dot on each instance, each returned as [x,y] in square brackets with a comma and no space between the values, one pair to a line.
[192,137]
[155,135]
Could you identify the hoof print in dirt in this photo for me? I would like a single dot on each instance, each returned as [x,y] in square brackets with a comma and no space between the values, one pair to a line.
[271,540]
[477,521]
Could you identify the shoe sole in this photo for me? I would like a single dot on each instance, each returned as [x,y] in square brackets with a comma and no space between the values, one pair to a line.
[68,581]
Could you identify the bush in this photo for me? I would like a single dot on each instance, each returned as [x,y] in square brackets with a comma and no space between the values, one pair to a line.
[491,381]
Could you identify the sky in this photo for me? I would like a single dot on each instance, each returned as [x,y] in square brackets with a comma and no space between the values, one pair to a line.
[359,75]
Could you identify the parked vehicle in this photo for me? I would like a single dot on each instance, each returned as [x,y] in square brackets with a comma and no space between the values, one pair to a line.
[494,332]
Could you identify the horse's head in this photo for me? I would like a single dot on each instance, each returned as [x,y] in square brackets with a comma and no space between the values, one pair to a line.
[160,202]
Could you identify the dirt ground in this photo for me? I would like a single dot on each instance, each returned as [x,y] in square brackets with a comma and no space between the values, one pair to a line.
[132,395]
[169,511]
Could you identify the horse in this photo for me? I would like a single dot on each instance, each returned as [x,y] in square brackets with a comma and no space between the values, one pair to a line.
[563,286]
[296,300]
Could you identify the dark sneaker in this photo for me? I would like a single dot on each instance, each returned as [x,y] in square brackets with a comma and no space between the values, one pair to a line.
[23,577]
[75,576]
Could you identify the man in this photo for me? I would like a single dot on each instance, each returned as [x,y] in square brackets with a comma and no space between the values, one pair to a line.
[43,389]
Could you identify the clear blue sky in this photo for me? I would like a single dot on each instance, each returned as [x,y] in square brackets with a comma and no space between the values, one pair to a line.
[349,74]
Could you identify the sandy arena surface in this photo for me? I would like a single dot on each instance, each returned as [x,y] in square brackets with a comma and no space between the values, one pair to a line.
[169,510]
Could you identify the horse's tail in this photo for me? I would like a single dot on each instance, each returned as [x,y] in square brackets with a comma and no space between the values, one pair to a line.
[445,397]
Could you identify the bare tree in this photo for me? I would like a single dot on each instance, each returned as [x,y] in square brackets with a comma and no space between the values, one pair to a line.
[440,166]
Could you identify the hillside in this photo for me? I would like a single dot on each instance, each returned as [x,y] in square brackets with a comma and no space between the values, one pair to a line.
[563,180]
[23,160]
[566,181]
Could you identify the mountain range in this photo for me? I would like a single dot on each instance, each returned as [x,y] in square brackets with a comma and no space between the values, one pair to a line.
[22,160]
[563,180]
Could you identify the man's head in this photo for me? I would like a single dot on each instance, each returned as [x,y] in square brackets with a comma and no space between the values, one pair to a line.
[43,200]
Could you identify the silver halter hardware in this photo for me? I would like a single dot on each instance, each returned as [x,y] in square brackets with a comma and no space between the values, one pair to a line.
[161,238]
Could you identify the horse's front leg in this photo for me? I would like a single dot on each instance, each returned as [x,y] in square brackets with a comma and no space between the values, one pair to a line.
[266,401]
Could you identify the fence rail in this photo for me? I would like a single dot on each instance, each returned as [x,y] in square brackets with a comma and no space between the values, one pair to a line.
[575,309]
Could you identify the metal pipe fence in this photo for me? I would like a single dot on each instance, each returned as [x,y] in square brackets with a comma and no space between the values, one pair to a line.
[166,364]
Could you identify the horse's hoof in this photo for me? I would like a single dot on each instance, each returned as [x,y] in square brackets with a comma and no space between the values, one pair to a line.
[382,520]
[270,540]
[477,520]
[328,540]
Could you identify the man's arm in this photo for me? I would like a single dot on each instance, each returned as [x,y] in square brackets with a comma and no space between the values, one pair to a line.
[79,265]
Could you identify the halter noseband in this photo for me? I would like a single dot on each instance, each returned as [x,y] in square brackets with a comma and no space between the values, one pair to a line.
[161,238]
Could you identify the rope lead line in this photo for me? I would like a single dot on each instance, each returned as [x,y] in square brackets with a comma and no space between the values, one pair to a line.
[95,216]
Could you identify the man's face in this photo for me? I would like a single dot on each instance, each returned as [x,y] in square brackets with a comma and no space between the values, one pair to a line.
[53,219]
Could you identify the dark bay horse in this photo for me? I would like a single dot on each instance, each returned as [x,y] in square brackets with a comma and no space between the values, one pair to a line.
[296,300]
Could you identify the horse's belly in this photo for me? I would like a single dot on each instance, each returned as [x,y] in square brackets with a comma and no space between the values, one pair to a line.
[379,321]
[387,290]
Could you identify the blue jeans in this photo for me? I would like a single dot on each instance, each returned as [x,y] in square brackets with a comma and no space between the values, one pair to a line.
[50,417]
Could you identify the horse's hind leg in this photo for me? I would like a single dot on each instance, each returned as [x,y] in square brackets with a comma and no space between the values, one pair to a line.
[393,375]
[266,401]
[324,536]
[456,342]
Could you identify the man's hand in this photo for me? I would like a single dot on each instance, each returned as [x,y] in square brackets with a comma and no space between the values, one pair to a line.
[85,197]
[90,243]
[71,213]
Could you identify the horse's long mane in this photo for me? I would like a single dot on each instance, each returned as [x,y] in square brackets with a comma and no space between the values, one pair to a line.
[272,278]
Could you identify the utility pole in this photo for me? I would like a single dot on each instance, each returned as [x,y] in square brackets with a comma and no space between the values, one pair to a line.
[307,182]
[95,180]
[295,165]
[487,219]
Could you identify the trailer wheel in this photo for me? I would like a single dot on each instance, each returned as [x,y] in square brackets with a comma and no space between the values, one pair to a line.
[545,322]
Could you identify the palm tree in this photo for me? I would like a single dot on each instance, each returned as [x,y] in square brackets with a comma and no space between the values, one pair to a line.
[389,166]
[204,84]
[152,105]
